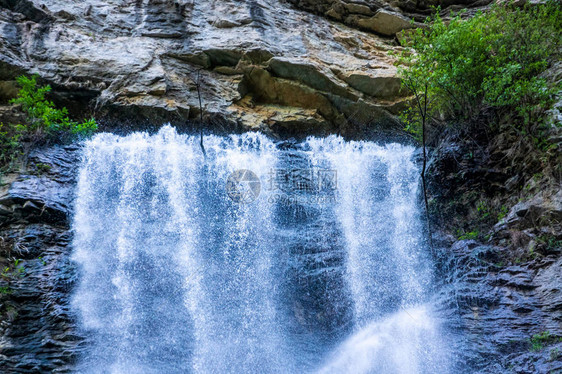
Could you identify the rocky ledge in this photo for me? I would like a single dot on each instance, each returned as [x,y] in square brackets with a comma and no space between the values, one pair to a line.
[508,315]
[386,17]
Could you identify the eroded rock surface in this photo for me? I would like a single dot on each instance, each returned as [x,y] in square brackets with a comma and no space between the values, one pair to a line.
[501,291]
[385,17]
[498,308]
[37,332]
[261,64]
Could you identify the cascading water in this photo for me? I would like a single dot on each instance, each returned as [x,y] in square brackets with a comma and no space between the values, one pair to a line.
[182,271]
[387,269]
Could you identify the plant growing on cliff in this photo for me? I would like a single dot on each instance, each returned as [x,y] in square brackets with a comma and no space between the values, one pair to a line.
[493,60]
[5,290]
[45,122]
[9,145]
[467,235]
[13,269]
[539,341]
[43,115]
[504,210]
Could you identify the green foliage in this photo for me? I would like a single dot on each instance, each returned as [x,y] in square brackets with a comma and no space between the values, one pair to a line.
[483,210]
[10,148]
[43,115]
[39,168]
[539,341]
[88,127]
[45,122]
[42,168]
[5,290]
[500,264]
[467,235]
[549,242]
[503,212]
[487,214]
[13,269]
[491,60]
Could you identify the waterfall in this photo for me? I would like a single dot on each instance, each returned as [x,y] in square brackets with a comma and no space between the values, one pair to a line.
[387,268]
[259,258]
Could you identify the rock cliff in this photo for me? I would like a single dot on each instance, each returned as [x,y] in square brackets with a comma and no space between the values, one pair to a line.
[291,67]
[260,64]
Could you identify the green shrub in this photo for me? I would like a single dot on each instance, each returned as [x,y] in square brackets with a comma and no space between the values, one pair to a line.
[10,148]
[503,212]
[45,122]
[42,114]
[539,341]
[492,60]
[549,242]
[470,235]
[13,269]
[5,290]
[483,210]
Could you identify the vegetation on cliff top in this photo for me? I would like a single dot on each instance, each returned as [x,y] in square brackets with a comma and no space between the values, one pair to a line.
[45,123]
[484,85]
[492,61]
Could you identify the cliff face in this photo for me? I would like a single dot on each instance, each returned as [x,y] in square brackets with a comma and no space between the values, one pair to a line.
[382,16]
[286,68]
[260,64]
[499,201]
[37,331]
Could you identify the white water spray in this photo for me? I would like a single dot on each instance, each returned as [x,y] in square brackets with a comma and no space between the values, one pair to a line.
[177,277]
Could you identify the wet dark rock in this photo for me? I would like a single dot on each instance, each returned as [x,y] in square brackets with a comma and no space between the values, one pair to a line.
[549,289]
[531,213]
[315,283]
[40,334]
[500,294]
[37,199]
[43,193]
[37,329]
[499,309]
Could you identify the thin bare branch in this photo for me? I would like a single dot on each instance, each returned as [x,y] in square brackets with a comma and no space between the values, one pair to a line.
[198,85]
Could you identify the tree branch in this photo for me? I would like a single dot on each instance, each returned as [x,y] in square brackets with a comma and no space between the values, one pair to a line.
[423,114]
[423,172]
[198,85]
